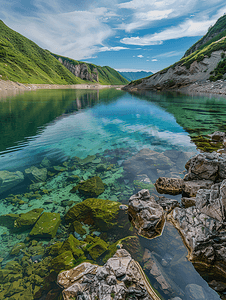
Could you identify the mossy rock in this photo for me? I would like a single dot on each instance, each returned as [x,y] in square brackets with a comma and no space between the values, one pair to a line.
[77,227]
[98,248]
[72,245]
[15,288]
[16,249]
[133,246]
[46,226]
[102,213]
[92,187]
[28,219]
[8,220]
[64,261]
[55,248]
[87,160]
[13,266]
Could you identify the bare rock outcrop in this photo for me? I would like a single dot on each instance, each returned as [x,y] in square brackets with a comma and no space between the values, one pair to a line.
[120,278]
[145,214]
[172,186]
[80,70]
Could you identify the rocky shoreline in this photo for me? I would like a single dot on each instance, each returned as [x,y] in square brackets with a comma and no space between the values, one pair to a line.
[10,88]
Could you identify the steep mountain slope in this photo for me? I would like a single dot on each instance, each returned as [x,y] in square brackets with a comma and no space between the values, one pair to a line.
[205,61]
[103,75]
[21,60]
[130,76]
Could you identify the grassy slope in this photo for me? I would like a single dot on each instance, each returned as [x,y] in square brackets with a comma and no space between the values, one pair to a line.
[106,74]
[23,61]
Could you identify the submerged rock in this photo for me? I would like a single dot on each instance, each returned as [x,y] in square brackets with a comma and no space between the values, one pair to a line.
[10,179]
[46,226]
[28,219]
[35,174]
[147,162]
[120,278]
[145,214]
[102,213]
[92,187]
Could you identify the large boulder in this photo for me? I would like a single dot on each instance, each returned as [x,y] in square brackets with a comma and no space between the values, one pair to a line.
[10,179]
[145,214]
[172,186]
[121,277]
[208,166]
[190,188]
[35,174]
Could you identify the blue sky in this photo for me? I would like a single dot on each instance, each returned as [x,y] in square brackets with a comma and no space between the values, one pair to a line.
[126,35]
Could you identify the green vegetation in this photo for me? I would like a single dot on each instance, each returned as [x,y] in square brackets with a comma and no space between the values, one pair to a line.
[216,32]
[22,60]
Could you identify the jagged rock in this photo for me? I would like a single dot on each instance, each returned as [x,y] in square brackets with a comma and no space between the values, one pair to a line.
[147,162]
[202,234]
[172,186]
[208,166]
[35,174]
[209,202]
[145,214]
[218,136]
[9,180]
[190,188]
[188,202]
[8,220]
[88,281]
[46,226]
[167,204]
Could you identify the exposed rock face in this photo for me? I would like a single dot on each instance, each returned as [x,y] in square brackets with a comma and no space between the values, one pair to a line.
[190,188]
[146,215]
[208,166]
[80,70]
[172,186]
[179,76]
[218,136]
[120,278]
[35,174]
[9,180]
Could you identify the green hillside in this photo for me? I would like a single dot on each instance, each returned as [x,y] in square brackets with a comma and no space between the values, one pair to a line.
[22,60]
[106,74]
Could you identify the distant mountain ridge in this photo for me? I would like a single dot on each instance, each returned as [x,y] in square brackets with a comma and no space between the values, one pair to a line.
[130,76]
[21,60]
[205,60]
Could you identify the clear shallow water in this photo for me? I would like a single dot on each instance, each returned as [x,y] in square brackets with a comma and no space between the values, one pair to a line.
[109,125]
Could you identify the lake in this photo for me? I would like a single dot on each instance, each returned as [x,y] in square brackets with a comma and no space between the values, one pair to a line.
[70,136]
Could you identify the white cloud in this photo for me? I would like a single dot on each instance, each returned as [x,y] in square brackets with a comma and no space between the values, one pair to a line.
[140,56]
[147,60]
[186,29]
[77,34]
[170,54]
[103,49]
[154,59]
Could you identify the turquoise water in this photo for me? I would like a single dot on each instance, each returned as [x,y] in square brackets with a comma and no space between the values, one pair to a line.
[53,129]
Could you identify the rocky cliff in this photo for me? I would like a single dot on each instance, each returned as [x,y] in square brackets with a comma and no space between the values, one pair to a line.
[80,70]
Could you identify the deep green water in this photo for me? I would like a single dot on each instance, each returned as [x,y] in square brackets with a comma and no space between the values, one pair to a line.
[111,126]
